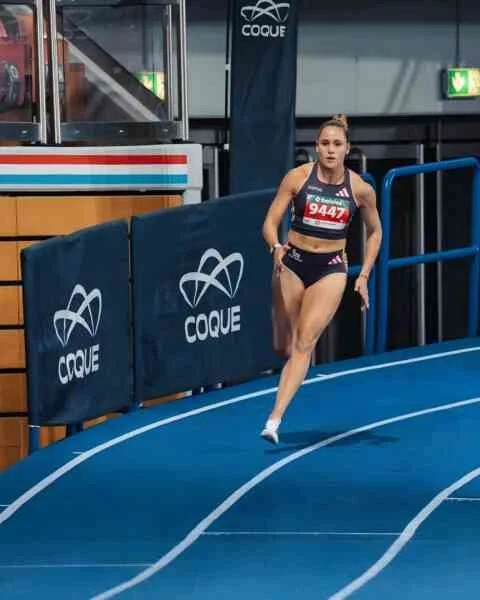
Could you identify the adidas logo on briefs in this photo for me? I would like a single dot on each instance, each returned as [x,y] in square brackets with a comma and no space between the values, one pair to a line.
[336,260]
[343,193]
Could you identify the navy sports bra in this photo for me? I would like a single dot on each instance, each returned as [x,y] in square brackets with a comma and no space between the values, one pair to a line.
[323,210]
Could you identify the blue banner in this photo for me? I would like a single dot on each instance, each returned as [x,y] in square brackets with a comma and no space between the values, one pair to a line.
[202,295]
[76,306]
[262,92]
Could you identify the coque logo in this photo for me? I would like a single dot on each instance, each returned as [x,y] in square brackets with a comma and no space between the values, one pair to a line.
[87,314]
[225,274]
[83,310]
[277,12]
[265,19]
[204,280]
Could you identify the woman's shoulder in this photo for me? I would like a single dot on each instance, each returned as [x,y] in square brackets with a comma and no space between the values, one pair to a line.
[362,191]
[296,177]
[302,172]
[357,182]
[304,168]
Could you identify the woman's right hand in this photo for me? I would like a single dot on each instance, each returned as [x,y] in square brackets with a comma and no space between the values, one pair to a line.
[278,255]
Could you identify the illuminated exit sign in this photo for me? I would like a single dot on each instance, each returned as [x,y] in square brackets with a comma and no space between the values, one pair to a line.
[462,83]
[154,81]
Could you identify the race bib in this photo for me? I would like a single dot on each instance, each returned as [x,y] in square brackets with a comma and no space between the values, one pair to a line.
[328,212]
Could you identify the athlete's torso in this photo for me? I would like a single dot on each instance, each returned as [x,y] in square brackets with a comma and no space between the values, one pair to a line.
[323,210]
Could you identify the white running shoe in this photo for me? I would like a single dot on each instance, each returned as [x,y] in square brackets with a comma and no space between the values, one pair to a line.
[270,432]
[270,435]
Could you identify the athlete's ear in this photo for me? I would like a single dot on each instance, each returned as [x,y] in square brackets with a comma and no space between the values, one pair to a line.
[348,147]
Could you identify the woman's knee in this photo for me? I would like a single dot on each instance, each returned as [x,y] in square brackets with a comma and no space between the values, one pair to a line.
[305,344]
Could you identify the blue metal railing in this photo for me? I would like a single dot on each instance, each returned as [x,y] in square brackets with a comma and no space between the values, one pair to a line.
[369,343]
[385,263]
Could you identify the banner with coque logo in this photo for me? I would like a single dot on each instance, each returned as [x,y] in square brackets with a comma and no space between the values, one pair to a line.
[262,93]
[76,306]
[202,295]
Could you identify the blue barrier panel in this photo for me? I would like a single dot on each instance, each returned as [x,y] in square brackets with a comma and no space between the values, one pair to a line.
[386,264]
[202,295]
[76,305]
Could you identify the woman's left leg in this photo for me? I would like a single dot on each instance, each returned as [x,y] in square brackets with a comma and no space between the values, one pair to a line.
[319,305]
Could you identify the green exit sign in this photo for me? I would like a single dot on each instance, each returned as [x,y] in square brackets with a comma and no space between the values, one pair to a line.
[154,81]
[462,82]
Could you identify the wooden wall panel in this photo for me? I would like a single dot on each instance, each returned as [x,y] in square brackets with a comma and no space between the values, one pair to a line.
[112,207]
[20,305]
[12,350]
[49,435]
[163,399]
[8,217]
[20,246]
[55,215]
[10,305]
[13,440]
[9,455]
[13,392]
[8,261]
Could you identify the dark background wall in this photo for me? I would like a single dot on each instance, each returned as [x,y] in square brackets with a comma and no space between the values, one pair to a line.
[363,58]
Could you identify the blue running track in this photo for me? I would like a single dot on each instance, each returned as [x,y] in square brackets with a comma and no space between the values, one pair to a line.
[373,492]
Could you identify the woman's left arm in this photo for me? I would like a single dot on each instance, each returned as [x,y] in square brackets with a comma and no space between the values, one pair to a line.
[367,201]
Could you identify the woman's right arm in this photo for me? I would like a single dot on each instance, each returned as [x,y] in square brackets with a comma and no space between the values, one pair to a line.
[280,203]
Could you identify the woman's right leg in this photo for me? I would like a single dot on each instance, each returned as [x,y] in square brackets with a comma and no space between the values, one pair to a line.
[319,304]
[288,293]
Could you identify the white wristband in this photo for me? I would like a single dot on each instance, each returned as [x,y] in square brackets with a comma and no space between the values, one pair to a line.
[275,246]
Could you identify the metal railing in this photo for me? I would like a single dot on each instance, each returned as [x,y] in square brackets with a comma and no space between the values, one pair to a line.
[386,264]
[369,315]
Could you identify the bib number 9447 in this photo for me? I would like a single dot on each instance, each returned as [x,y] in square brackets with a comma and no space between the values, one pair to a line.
[319,212]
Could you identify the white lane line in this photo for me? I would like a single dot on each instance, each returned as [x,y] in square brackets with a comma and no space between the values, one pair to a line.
[301,533]
[456,499]
[84,456]
[405,361]
[78,460]
[78,566]
[404,538]
[205,523]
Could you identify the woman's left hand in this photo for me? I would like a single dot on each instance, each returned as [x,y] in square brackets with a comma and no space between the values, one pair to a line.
[361,287]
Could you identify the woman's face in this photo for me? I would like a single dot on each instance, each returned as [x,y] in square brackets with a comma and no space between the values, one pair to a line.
[332,147]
